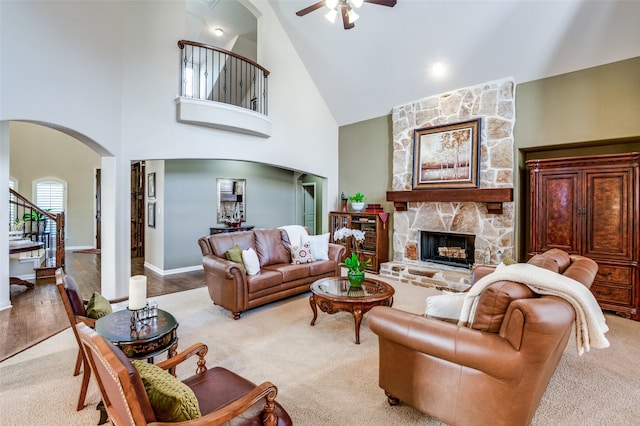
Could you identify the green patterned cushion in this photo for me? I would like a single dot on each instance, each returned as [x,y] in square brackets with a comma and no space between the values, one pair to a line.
[508,261]
[234,254]
[98,306]
[172,400]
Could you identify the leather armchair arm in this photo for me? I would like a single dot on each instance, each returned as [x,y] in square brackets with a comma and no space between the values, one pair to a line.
[446,341]
[199,349]
[265,390]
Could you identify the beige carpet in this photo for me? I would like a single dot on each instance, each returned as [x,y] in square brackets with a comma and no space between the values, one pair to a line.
[322,376]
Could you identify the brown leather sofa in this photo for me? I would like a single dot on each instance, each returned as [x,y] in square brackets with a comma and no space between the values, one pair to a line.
[230,286]
[491,373]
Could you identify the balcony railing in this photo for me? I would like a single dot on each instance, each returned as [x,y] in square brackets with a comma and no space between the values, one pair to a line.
[214,74]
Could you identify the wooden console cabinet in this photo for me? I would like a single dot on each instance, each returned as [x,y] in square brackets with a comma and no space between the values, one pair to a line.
[591,206]
[376,236]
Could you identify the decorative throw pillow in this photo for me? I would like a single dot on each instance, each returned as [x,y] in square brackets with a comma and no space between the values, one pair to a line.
[446,306]
[302,254]
[171,400]
[98,306]
[319,246]
[251,261]
[234,254]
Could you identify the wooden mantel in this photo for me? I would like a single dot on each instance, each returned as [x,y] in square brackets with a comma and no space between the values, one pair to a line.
[494,197]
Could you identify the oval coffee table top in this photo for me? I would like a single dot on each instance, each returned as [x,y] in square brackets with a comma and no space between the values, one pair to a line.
[339,288]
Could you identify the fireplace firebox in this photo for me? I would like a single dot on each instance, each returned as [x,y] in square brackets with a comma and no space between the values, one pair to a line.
[447,248]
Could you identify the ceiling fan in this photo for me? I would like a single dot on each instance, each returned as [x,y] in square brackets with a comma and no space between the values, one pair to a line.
[344,8]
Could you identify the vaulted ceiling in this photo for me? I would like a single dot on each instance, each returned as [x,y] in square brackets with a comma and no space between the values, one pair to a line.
[386,59]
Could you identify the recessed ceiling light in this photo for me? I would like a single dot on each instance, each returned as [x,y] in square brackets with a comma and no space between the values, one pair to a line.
[218,31]
[438,70]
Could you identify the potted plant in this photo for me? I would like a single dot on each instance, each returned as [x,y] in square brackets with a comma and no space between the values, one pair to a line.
[355,267]
[17,230]
[357,201]
[39,218]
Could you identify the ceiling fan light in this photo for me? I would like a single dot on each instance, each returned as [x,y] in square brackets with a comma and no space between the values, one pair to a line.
[353,16]
[331,4]
[357,3]
[331,15]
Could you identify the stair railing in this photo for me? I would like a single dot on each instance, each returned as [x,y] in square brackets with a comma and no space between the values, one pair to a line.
[31,221]
[214,74]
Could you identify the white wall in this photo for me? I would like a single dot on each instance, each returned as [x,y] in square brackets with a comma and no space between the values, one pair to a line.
[107,73]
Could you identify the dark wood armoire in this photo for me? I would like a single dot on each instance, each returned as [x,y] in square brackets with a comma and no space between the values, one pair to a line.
[591,206]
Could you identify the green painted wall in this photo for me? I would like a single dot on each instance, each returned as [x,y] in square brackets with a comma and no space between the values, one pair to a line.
[587,112]
[365,152]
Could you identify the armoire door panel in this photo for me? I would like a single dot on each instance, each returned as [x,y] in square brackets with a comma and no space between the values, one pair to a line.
[608,226]
[559,209]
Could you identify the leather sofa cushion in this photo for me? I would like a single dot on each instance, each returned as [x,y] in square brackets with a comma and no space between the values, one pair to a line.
[290,272]
[494,302]
[321,267]
[270,248]
[221,243]
[265,279]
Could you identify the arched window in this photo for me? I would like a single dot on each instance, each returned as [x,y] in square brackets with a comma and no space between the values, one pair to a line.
[51,195]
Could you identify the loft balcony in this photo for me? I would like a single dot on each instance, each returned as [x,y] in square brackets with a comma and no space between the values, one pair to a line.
[223,90]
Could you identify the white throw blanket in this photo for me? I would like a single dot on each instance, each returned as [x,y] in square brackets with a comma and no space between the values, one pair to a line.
[295,233]
[590,321]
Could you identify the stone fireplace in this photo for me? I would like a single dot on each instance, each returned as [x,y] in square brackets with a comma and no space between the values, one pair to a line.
[494,104]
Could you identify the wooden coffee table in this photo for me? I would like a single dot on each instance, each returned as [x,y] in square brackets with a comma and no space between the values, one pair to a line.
[335,294]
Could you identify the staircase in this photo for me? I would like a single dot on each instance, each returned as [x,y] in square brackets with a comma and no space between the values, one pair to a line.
[28,222]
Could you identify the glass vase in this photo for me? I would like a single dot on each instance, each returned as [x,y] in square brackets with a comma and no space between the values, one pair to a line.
[355,278]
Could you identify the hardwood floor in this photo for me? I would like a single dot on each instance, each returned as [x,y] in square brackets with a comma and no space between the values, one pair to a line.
[38,313]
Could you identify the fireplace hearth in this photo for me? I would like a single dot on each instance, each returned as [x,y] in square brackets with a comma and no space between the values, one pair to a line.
[447,248]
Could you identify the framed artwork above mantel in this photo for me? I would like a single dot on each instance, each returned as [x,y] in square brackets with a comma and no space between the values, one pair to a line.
[446,156]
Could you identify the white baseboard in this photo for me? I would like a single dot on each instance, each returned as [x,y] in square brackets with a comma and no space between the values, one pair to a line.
[73,248]
[172,271]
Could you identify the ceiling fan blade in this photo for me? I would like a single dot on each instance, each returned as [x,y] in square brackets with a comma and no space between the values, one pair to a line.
[311,8]
[345,17]
[388,3]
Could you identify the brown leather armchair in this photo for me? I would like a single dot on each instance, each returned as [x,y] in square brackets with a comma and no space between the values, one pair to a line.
[493,372]
[223,396]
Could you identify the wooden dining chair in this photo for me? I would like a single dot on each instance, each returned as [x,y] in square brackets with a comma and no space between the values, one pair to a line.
[217,395]
[75,307]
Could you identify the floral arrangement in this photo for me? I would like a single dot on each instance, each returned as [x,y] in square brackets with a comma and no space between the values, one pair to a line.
[343,233]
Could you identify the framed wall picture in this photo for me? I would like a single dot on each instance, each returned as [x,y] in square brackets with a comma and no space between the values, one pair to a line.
[151,181]
[151,215]
[231,200]
[446,156]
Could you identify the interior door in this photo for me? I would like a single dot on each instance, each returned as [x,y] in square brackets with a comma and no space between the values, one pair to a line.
[98,208]
[309,206]
[137,209]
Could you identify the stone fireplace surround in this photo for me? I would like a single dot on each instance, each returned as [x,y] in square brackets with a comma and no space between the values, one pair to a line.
[494,104]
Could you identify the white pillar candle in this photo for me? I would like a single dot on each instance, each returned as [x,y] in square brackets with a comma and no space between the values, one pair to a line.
[137,292]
